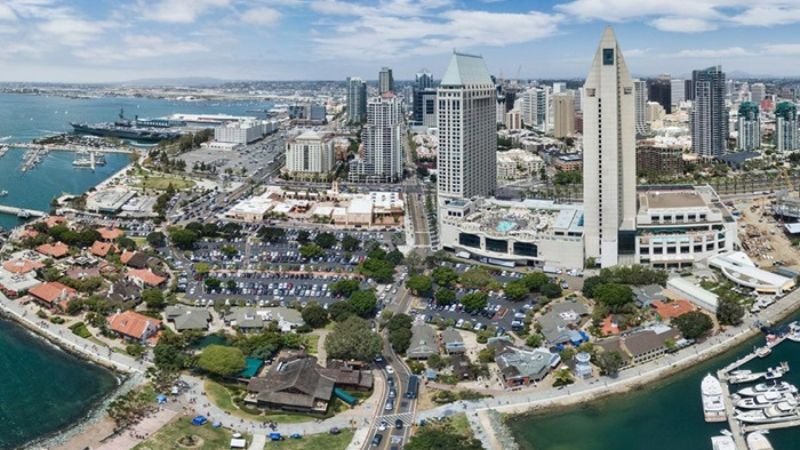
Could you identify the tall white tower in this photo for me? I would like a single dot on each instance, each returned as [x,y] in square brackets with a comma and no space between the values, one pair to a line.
[609,157]
[467,130]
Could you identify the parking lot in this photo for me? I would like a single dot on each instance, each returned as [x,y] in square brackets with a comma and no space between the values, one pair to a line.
[255,155]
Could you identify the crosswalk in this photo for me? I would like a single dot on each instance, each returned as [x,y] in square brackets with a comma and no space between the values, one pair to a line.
[406,417]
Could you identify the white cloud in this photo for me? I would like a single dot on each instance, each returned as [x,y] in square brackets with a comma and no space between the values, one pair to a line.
[683,24]
[781,49]
[263,16]
[7,13]
[768,16]
[408,28]
[178,11]
[714,53]
[135,47]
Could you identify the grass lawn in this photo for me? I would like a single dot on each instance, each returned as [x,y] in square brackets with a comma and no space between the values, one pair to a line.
[223,398]
[323,441]
[167,437]
[140,241]
[312,343]
[161,182]
[461,424]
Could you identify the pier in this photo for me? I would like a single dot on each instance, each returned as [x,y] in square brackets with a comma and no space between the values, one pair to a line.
[21,212]
[73,148]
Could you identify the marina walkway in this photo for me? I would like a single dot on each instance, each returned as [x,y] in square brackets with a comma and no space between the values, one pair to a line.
[13,210]
[72,148]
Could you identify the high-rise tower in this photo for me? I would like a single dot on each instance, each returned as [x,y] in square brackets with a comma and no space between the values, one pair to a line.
[709,116]
[466,108]
[385,80]
[356,100]
[609,157]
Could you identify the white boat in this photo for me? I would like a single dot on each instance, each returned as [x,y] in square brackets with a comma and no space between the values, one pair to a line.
[723,443]
[757,441]
[777,372]
[794,332]
[765,400]
[3,193]
[779,412]
[746,376]
[762,388]
[763,352]
[713,405]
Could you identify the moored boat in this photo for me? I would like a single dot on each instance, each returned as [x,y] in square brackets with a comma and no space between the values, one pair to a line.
[723,443]
[762,388]
[757,441]
[713,404]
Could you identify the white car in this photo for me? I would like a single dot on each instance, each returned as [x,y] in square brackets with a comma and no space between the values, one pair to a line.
[382,426]
[389,370]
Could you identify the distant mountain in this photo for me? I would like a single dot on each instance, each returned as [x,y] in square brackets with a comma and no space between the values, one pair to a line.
[173,82]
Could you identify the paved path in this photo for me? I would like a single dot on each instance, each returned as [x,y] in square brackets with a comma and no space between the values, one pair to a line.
[136,434]
[259,441]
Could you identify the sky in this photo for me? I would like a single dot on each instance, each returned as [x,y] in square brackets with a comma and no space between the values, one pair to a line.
[122,40]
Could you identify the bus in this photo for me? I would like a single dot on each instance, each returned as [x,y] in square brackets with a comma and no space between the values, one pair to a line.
[413,387]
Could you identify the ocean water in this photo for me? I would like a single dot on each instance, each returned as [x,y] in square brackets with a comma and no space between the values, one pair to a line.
[665,416]
[43,389]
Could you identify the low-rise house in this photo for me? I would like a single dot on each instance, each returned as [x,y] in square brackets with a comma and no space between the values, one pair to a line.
[55,251]
[423,342]
[53,295]
[649,344]
[124,294]
[109,234]
[614,344]
[146,278]
[672,309]
[187,318]
[101,249]
[609,326]
[645,295]
[349,378]
[560,324]
[134,326]
[292,384]
[452,341]
[22,265]
[522,367]
[254,319]
[134,259]
[82,273]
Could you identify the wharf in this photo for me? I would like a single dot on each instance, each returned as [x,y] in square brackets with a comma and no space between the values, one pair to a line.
[73,148]
[21,211]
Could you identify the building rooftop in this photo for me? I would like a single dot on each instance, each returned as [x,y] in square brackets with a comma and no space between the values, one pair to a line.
[670,199]
[466,70]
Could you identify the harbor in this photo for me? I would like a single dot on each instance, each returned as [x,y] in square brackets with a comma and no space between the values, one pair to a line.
[752,411]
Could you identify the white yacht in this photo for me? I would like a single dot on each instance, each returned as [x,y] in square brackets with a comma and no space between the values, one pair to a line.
[713,405]
[724,442]
[765,400]
[762,388]
[744,376]
[779,412]
[757,441]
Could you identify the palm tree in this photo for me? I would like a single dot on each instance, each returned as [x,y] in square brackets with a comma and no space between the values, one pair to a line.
[562,377]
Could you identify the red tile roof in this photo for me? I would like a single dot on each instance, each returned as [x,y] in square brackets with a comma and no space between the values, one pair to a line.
[133,324]
[28,233]
[101,249]
[53,293]
[126,256]
[52,221]
[609,326]
[146,276]
[110,233]
[22,265]
[57,250]
[672,309]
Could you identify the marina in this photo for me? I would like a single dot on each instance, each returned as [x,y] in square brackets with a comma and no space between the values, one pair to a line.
[756,409]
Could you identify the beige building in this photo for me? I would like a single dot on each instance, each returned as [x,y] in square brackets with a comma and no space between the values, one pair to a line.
[310,153]
[563,115]
[516,164]
[513,120]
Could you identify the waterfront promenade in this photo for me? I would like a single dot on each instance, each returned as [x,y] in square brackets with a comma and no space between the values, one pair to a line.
[532,399]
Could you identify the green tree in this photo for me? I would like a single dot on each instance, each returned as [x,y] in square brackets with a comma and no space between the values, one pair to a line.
[399,328]
[609,363]
[534,340]
[340,311]
[315,315]
[353,339]
[153,298]
[445,296]
[562,377]
[615,296]
[476,278]
[422,285]
[380,270]
[350,244]
[363,303]
[535,281]
[302,236]
[592,283]
[156,239]
[311,251]
[271,234]
[729,311]
[475,301]
[183,239]
[202,269]
[551,290]
[516,290]
[444,276]
[486,355]
[693,324]
[221,360]
[325,240]
[345,287]
[442,437]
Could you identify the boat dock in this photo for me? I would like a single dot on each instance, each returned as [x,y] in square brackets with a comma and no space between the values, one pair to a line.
[21,212]
[73,148]
[737,428]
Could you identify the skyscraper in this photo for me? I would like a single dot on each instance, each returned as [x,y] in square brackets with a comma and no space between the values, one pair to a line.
[385,80]
[677,92]
[356,100]
[640,106]
[758,92]
[563,115]
[709,116]
[466,109]
[660,90]
[534,107]
[609,157]
[423,79]
[786,135]
[383,141]
[749,136]
[424,107]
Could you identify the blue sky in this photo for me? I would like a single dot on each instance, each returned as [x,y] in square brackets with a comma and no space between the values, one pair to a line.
[118,40]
